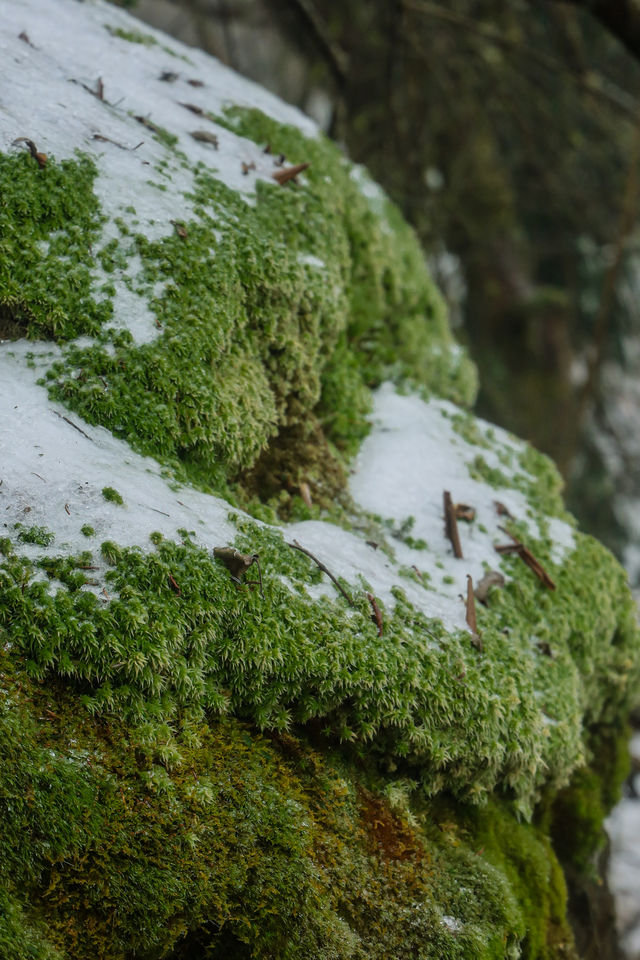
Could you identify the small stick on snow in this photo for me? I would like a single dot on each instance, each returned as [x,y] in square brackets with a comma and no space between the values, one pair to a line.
[376,616]
[451,525]
[296,546]
[72,424]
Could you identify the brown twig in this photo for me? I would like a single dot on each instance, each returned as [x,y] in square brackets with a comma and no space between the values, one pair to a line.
[472,622]
[297,546]
[376,616]
[525,554]
[72,424]
[174,584]
[103,139]
[451,525]
[289,173]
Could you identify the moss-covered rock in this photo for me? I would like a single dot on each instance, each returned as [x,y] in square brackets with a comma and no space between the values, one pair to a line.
[196,761]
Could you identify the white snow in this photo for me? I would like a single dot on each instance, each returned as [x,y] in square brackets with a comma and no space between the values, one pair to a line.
[623,827]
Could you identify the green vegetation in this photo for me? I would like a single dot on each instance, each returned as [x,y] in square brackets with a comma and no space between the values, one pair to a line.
[48,216]
[294,307]
[179,634]
[39,535]
[132,36]
[112,495]
[268,776]
[87,530]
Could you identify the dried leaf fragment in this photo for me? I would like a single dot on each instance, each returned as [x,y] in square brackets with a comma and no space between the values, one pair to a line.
[205,137]
[196,83]
[180,229]
[305,493]
[289,173]
[193,107]
[25,36]
[168,76]
[501,510]
[246,167]
[238,563]
[492,578]
[41,158]
[465,512]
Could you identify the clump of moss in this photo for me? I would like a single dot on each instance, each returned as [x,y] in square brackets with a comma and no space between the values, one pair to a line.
[48,216]
[112,495]
[38,535]
[87,530]
[132,36]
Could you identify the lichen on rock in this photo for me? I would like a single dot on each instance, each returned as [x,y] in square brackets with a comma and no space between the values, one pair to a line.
[194,356]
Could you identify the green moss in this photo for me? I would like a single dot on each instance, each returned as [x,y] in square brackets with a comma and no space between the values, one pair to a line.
[294,307]
[132,36]
[251,846]
[87,530]
[179,634]
[112,495]
[38,535]
[48,216]
[274,321]
[575,817]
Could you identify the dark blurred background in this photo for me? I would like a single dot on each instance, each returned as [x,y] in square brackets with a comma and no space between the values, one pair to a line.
[509,134]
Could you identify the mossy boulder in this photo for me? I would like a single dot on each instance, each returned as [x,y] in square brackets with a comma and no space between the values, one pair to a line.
[300,744]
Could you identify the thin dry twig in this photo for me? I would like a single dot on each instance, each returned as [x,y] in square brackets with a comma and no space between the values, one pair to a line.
[103,139]
[525,554]
[72,424]
[472,622]
[376,616]
[319,563]
[451,525]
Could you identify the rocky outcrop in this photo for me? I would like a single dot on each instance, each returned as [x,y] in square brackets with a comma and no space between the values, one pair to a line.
[331,736]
